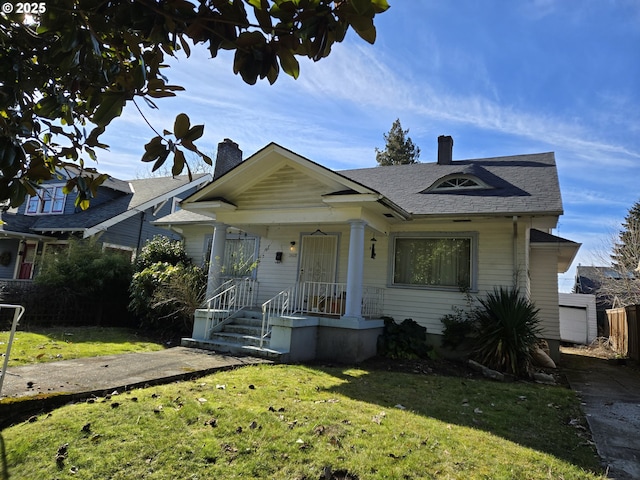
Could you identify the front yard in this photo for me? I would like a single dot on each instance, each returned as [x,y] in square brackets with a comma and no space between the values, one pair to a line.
[311,422]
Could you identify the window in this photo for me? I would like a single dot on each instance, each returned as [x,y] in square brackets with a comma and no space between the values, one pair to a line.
[48,200]
[126,252]
[240,253]
[434,261]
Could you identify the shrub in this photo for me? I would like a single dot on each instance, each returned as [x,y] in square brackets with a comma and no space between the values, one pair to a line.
[166,289]
[460,329]
[406,340]
[507,331]
[161,250]
[90,285]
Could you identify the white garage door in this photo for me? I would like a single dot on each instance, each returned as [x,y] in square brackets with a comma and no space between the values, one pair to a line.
[573,324]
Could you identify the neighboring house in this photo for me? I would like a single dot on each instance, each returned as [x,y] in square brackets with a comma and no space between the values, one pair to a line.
[589,280]
[337,250]
[119,217]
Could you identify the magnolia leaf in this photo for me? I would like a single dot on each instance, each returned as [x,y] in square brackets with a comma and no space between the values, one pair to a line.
[364,27]
[160,94]
[178,163]
[181,125]
[110,107]
[289,63]
[360,6]
[194,133]
[380,5]
[160,161]
[207,159]
[185,46]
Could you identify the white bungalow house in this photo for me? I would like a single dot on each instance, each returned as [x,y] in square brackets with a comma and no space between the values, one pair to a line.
[324,254]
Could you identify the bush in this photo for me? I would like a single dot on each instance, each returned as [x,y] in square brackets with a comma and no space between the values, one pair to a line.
[161,250]
[78,285]
[460,329]
[166,289]
[406,340]
[507,331]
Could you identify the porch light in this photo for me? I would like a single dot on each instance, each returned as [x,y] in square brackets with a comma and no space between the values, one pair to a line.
[373,246]
[292,248]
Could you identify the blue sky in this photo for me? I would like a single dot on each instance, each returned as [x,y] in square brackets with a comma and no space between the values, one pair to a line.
[501,77]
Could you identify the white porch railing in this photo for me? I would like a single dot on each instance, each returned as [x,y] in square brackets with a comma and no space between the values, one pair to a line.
[318,298]
[232,296]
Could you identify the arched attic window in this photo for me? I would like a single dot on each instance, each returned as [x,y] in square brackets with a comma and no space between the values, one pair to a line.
[456,182]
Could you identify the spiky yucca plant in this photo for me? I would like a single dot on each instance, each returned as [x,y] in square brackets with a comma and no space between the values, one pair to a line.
[508,330]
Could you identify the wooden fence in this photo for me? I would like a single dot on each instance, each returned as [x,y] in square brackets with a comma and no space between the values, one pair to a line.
[624,327]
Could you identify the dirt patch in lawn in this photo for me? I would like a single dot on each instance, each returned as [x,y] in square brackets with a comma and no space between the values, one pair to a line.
[448,368]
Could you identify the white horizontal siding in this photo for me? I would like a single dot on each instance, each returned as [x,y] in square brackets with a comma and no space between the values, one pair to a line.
[428,306]
[544,290]
[285,188]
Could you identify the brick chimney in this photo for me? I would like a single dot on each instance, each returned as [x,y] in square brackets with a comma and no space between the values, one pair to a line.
[445,150]
[229,156]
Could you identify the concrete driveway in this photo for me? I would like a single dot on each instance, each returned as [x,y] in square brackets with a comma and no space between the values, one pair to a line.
[610,394]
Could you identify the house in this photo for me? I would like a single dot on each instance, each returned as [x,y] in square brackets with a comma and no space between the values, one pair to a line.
[119,216]
[328,253]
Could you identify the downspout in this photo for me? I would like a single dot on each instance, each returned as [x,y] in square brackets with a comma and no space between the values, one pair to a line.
[143,214]
[515,251]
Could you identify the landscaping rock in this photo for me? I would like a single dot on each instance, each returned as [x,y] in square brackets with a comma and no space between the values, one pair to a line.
[487,372]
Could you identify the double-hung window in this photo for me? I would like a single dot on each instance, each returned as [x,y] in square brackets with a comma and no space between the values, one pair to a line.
[441,260]
[48,200]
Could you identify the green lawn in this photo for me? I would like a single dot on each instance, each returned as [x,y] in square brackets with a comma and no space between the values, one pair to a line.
[298,422]
[52,344]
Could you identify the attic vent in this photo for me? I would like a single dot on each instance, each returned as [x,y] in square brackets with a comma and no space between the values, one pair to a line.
[457,183]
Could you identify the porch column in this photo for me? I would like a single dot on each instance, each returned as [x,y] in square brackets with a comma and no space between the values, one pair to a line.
[217,257]
[355,270]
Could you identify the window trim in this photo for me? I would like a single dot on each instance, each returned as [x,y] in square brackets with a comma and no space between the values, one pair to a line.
[40,200]
[124,248]
[473,267]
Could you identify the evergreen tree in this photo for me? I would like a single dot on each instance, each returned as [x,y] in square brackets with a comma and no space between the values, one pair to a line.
[622,286]
[626,252]
[399,148]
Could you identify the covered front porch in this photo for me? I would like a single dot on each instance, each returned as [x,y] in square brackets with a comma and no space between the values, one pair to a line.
[277,309]
[306,238]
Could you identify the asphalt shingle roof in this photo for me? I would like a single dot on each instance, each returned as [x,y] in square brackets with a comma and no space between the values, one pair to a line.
[519,184]
[142,191]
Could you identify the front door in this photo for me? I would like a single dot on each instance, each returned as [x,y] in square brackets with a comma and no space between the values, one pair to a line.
[318,258]
[28,258]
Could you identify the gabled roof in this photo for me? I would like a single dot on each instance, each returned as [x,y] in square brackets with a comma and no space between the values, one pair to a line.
[521,184]
[235,178]
[142,194]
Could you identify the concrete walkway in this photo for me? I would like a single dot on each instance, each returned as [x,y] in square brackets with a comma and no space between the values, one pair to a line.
[610,394]
[52,384]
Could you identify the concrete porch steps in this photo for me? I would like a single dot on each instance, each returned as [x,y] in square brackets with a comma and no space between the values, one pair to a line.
[242,336]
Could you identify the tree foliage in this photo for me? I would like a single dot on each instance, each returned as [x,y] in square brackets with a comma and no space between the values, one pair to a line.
[620,285]
[399,148]
[626,251]
[66,73]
